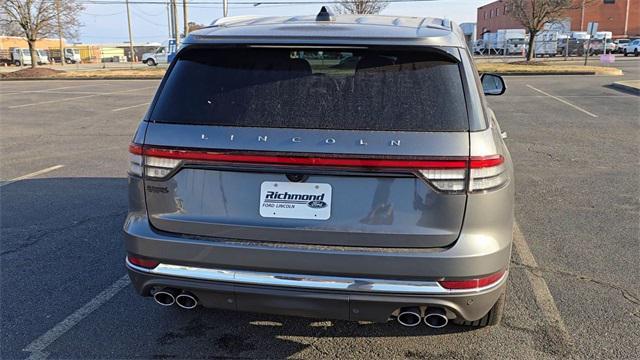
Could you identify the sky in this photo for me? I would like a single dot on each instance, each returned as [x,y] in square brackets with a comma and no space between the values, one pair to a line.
[107,23]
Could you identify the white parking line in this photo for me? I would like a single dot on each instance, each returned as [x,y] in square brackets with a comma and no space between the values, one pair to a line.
[542,295]
[563,101]
[36,347]
[79,97]
[46,90]
[541,292]
[131,107]
[33,174]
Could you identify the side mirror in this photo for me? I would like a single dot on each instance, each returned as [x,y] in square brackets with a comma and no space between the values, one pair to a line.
[493,84]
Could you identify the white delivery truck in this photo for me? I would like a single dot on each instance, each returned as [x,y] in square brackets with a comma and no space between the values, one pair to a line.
[505,41]
[20,56]
[43,57]
[162,55]
[546,43]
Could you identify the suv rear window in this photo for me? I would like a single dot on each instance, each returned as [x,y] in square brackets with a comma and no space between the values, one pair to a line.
[312,88]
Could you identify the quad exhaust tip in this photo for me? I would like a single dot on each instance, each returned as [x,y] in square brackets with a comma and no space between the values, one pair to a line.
[409,316]
[166,296]
[436,318]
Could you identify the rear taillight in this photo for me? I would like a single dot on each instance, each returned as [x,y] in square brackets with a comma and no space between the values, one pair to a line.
[486,173]
[151,166]
[452,174]
[470,284]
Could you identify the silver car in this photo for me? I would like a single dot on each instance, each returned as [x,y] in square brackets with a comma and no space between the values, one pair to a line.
[343,167]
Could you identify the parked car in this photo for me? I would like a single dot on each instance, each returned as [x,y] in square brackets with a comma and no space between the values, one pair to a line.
[633,48]
[264,179]
[621,44]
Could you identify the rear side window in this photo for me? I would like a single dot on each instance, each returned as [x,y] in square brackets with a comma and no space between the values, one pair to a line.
[350,89]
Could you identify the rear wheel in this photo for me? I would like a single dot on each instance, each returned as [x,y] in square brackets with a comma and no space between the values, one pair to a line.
[625,52]
[635,52]
[17,63]
[493,317]
[151,62]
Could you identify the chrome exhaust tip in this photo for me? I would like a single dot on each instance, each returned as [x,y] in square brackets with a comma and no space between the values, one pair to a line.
[186,300]
[409,316]
[436,318]
[165,297]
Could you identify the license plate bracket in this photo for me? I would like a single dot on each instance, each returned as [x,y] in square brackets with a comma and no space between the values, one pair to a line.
[295,200]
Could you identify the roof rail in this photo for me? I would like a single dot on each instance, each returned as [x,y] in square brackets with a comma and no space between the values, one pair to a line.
[234,19]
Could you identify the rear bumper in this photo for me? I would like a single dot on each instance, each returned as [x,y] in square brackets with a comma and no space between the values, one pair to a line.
[358,304]
[366,284]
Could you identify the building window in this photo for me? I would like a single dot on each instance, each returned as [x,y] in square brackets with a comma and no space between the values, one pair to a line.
[609,1]
[498,12]
[491,14]
[505,9]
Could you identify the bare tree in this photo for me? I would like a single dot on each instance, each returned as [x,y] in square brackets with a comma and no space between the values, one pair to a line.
[360,6]
[37,19]
[533,14]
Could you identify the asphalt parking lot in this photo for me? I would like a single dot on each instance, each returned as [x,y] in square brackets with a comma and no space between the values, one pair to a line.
[574,289]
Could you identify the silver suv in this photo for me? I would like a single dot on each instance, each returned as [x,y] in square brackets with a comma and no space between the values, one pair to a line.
[342,167]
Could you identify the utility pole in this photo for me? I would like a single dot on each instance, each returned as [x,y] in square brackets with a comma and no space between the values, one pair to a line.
[185,17]
[174,18]
[582,16]
[59,32]
[225,8]
[133,55]
[169,23]
[626,19]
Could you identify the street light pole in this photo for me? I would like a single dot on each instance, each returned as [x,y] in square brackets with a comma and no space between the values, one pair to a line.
[185,17]
[59,33]
[225,8]
[174,18]
[133,55]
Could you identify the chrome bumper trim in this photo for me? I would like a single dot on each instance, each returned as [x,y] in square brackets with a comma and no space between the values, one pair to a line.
[317,282]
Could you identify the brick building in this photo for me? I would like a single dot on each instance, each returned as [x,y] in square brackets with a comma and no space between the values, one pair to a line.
[621,17]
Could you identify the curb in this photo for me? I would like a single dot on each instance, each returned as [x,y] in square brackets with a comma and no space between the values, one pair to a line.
[627,88]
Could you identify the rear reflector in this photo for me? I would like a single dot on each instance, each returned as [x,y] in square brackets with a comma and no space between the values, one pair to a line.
[445,174]
[145,263]
[472,283]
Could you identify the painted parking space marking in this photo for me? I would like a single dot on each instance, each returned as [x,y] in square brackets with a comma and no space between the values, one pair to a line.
[31,175]
[48,90]
[36,348]
[79,97]
[563,101]
[131,107]
[543,298]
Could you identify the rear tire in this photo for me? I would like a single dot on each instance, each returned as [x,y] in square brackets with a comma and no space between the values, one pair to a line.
[635,53]
[151,62]
[493,317]
[17,63]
